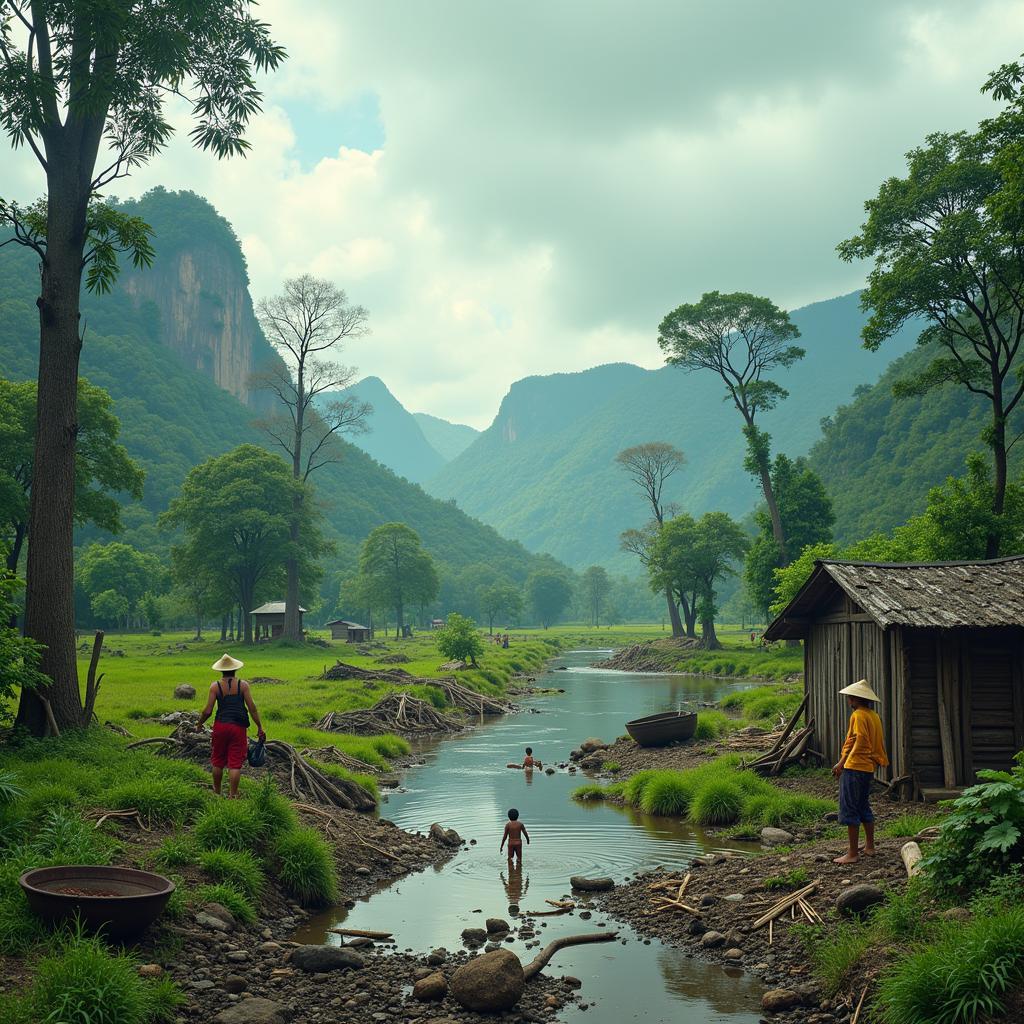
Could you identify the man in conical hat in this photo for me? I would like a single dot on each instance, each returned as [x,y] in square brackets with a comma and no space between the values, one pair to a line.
[229,745]
[863,752]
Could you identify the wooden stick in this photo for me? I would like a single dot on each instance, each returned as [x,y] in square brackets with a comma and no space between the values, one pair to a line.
[784,904]
[92,684]
[562,904]
[539,962]
[859,1005]
[911,855]
[789,728]
[771,926]
[358,933]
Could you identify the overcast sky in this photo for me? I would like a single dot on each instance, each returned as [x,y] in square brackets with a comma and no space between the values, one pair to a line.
[525,188]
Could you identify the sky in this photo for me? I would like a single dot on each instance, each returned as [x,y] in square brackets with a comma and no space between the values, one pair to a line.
[518,189]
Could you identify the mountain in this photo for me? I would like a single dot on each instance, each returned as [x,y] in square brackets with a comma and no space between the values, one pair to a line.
[544,471]
[450,439]
[395,437]
[174,414]
[879,455]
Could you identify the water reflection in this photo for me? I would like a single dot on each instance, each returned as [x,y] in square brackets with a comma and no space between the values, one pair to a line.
[516,886]
[726,990]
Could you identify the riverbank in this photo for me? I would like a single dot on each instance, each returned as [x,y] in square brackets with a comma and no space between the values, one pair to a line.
[738,658]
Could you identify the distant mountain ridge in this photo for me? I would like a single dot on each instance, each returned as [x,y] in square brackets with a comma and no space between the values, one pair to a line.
[450,439]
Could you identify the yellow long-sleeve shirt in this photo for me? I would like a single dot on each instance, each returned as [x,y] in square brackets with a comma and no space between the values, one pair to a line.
[864,749]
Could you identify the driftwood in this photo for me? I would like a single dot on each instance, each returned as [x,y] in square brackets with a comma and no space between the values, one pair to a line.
[332,755]
[331,822]
[789,728]
[397,712]
[792,753]
[911,855]
[786,903]
[538,963]
[357,933]
[130,814]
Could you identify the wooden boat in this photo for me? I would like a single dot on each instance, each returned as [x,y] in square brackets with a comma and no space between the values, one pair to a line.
[662,729]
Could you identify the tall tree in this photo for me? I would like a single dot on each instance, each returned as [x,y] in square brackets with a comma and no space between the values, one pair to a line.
[103,468]
[947,243]
[649,466]
[309,318]
[549,593]
[642,544]
[596,586]
[121,570]
[236,511]
[742,338]
[501,598]
[402,572]
[78,78]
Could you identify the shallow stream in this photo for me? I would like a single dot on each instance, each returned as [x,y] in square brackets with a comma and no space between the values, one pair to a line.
[463,784]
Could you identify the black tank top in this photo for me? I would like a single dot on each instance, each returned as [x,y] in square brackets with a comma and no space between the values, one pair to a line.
[231,706]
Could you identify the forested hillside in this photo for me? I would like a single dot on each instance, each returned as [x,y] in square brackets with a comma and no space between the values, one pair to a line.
[450,439]
[544,471]
[174,416]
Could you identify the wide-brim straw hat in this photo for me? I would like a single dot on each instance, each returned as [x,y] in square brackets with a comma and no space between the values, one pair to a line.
[861,689]
[227,664]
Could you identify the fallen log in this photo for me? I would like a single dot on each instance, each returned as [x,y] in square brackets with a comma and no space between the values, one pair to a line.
[359,933]
[539,962]
[911,856]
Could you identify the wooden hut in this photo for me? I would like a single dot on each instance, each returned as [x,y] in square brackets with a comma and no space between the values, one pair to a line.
[268,620]
[943,646]
[350,632]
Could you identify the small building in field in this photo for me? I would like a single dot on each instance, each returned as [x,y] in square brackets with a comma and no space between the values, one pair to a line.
[941,643]
[268,620]
[437,623]
[350,632]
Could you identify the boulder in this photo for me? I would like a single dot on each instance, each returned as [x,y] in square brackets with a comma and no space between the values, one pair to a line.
[255,1011]
[489,983]
[778,1000]
[214,924]
[431,989]
[696,926]
[235,984]
[494,925]
[858,898]
[592,762]
[150,970]
[549,770]
[437,957]
[712,940]
[184,691]
[775,836]
[591,884]
[445,836]
[320,959]
[474,936]
[588,746]
[733,954]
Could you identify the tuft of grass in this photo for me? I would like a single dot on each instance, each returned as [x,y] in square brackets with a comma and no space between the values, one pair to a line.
[176,852]
[612,767]
[46,796]
[229,825]
[368,782]
[228,896]
[717,802]
[667,793]
[633,787]
[904,914]
[305,868]
[790,880]
[274,813]
[907,825]
[591,792]
[835,955]
[163,800]
[712,725]
[235,867]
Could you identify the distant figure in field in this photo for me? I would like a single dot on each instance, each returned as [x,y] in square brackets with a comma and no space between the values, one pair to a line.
[229,746]
[504,641]
[515,832]
[753,636]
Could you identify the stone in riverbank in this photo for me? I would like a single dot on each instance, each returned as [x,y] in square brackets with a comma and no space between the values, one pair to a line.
[319,959]
[445,836]
[778,1000]
[591,884]
[776,836]
[858,899]
[431,989]
[255,1011]
[489,983]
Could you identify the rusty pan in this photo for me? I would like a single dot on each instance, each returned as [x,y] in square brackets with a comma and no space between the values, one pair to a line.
[121,901]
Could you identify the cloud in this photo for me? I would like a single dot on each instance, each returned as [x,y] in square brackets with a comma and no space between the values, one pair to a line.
[519,189]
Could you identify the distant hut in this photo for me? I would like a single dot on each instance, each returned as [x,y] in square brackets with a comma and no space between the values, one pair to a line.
[268,620]
[350,632]
[437,623]
[941,643]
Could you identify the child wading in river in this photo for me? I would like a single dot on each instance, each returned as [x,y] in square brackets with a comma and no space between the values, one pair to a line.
[863,752]
[515,832]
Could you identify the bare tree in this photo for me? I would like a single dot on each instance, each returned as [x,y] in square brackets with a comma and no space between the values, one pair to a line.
[649,466]
[309,318]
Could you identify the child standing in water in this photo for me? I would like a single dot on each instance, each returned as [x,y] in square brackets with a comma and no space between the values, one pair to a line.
[863,752]
[528,761]
[515,831]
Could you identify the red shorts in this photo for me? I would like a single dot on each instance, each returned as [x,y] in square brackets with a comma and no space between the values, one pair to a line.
[230,745]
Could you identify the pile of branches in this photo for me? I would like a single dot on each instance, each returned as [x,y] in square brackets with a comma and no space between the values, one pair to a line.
[342,670]
[469,700]
[332,755]
[789,749]
[292,771]
[397,712]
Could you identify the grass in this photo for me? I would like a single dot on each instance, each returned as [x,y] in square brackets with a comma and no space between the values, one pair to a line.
[164,801]
[590,792]
[305,868]
[368,782]
[763,705]
[835,955]
[274,814]
[612,767]
[717,802]
[175,852]
[907,825]
[713,725]
[666,793]
[790,880]
[229,897]
[236,868]
[229,825]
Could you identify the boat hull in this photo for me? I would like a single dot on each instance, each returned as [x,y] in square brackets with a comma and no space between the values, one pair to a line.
[660,730]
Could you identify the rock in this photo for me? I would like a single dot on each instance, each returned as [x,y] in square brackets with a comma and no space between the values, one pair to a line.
[494,981]
[238,956]
[588,746]
[220,911]
[255,1011]
[955,914]
[734,897]
[184,691]
[572,982]
[696,927]
[474,936]
[777,1000]
[445,836]
[592,762]
[711,940]
[202,985]
[494,925]
[150,970]
[452,666]
[269,946]
[775,836]
[553,1001]
[235,983]
[431,989]
[733,954]
[591,884]
[858,898]
[362,870]
[437,956]
[832,816]
[360,942]
[549,770]
[709,899]
[319,959]
[212,923]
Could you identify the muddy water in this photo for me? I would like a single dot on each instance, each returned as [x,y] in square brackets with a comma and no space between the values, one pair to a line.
[464,784]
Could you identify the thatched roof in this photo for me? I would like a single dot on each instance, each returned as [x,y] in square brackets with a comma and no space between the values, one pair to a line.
[272,608]
[936,594]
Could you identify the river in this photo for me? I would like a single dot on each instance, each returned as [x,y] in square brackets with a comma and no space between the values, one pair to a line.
[464,784]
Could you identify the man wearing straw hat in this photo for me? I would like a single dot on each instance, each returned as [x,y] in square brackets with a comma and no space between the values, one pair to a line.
[863,752]
[230,744]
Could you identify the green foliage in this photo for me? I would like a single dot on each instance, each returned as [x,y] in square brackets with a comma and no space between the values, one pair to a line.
[790,880]
[549,594]
[236,868]
[908,825]
[305,867]
[368,782]
[612,767]
[903,915]
[159,800]
[592,791]
[459,640]
[500,599]
[717,802]
[400,571]
[176,851]
[712,725]
[667,793]
[19,656]
[229,825]
[962,977]
[836,954]
[227,895]
[764,705]
[273,812]
[983,836]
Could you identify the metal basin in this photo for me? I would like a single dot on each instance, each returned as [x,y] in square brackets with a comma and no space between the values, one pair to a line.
[121,901]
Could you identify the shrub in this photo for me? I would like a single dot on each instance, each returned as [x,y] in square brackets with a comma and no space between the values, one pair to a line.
[305,867]
[459,640]
[273,812]
[633,787]
[960,978]
[590,792]
[667,793]
[228,824]
[176,852]
[236,867]
[158,799]
[903,915]
[612,767]
[717,802]
[228,896]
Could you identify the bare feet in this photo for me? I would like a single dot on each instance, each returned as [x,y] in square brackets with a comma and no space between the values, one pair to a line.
[869,851]
[847,858]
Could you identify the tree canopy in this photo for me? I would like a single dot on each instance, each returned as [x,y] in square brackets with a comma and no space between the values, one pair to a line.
[499,599]
[459,640]
[116,576]
[549,594]
[401,572]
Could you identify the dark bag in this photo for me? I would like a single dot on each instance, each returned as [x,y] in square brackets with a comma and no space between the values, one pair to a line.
[257,753]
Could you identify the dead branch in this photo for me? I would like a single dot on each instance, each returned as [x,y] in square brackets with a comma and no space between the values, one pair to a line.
[539,962]
[92,684]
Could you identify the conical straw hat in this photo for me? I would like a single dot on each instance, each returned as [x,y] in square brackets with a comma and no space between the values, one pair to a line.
[861,689]
[226,664]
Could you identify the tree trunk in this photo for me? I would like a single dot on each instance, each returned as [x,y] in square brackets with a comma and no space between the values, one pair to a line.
[773,511]
[49,594]
[992,542]
[398,624]
[709,638]
[673,613]
[292,616]
[223,628]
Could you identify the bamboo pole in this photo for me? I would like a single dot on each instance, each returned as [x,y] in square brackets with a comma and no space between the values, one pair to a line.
[784,904]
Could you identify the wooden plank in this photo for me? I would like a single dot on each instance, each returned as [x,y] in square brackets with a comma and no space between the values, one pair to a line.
[901,663]
[846,617]
[945,731]
[1017,686]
